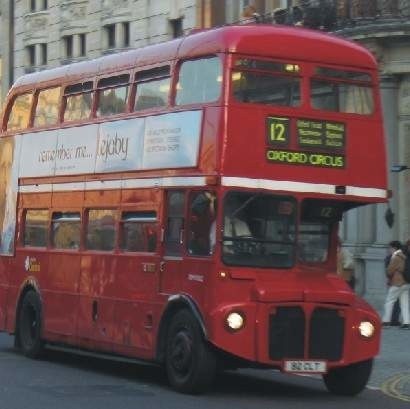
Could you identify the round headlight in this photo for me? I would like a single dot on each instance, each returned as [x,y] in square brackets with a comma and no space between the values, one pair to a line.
[235,321]
[366,329]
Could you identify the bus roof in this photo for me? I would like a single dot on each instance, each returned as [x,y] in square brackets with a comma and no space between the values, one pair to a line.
[293,43]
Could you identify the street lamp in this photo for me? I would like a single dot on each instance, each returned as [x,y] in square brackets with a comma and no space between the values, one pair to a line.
[398,168]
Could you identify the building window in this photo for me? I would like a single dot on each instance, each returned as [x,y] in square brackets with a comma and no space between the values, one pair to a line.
[110,35]
[176,28]
[32,58]
[31,55]
[68,46]
[37,5]
[43,48]
[126,34]
[83,45]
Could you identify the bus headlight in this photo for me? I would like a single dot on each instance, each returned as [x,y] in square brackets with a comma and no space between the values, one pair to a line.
[366,329]
[235,321]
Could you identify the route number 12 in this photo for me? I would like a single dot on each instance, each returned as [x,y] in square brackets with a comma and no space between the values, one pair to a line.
[277,130]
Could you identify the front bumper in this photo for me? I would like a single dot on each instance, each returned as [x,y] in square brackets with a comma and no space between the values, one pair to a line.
[274,333]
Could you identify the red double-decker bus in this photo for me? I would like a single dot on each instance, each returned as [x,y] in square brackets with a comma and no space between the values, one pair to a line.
[180,204]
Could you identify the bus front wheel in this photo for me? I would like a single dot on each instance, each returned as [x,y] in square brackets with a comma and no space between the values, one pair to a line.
[29,325]
[349,380]
[190,362]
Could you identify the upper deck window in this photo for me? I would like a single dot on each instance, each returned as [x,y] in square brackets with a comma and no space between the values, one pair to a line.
[19,117]
[199,81]
[78,101]
[342,91]
[113,95]
[47,107]
[266,82]
[152,88]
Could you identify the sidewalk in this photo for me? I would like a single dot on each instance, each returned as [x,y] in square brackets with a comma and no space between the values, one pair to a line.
[391,371]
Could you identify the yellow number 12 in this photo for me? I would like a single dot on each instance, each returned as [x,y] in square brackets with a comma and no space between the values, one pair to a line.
[277,132]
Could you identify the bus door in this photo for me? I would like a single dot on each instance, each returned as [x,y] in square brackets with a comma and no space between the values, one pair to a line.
[200,242]
[137,277]
[171,264]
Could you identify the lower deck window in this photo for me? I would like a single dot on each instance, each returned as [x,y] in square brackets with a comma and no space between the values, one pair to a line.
[101,229]
[138,231]
[65,228]
[35,228]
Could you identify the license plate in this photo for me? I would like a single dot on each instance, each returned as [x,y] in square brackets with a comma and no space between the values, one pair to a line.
[301,366]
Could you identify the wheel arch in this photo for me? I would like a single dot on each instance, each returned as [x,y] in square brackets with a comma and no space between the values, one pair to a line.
[176,303]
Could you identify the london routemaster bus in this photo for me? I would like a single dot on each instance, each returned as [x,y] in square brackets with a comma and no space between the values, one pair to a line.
[180,204]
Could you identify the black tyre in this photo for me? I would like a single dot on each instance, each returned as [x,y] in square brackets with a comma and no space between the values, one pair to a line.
[29,326]
[349,380]
[190,362]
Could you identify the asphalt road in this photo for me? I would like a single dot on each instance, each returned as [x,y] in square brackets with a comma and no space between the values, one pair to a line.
[67,381]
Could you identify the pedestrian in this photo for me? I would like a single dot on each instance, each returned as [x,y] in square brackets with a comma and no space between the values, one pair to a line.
[345,265]
[395,319]
[251,15]
[398,289]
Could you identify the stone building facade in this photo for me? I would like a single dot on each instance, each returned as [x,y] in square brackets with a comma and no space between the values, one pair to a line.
[46,33]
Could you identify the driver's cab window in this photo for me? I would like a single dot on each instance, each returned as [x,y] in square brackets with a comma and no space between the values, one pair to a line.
[174,230]
[202,227]
[259,229]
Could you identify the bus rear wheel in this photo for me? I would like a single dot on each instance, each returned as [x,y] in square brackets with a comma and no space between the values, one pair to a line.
[349,380]
[190,362]
[29,326]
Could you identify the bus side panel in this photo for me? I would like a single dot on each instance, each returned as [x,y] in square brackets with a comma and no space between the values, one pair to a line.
[135,307]
[60,294]
[4,265]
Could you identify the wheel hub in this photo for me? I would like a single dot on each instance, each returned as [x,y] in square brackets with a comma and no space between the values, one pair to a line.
[181,352]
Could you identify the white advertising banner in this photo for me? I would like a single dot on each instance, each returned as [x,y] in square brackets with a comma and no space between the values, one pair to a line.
[38,153]
[120,144]
[156,142]
[172,140]
[75,151]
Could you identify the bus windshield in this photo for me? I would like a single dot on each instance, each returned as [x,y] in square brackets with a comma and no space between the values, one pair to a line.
[259,230]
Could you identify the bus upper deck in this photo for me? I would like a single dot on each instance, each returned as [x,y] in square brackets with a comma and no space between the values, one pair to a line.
[224,91]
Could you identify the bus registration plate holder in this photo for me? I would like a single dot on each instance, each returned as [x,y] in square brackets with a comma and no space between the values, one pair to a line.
[305,366]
